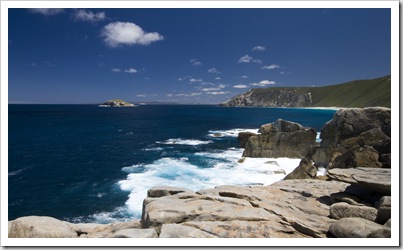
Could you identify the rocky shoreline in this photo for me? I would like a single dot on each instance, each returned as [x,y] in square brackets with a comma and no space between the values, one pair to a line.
[353,200]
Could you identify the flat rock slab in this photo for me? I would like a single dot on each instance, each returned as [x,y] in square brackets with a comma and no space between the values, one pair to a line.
[375,179]
[135,233]
[286,209]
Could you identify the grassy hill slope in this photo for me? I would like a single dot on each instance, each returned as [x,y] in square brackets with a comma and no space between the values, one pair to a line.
[359,93]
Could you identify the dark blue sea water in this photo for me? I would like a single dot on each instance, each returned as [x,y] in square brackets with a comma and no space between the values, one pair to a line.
[84,163]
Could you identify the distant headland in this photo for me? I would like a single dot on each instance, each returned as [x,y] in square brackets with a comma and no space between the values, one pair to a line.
[357,94]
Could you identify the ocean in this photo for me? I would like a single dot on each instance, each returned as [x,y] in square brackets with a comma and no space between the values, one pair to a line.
[84,163]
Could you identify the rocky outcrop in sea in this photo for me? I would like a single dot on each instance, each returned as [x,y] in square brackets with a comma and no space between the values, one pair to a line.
[352,200]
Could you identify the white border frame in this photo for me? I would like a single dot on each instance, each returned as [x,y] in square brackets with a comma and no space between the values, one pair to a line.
[393,5]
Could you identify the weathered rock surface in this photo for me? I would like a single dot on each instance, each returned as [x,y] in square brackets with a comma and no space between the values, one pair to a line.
[292,208]
[357,156]
[40,227]
[48,227]
[305,170]
[352,128]
[344,210]
[243,138]
[384,209]
[375,179]
[160,191]
[359,228]
[135,233]
[281,139]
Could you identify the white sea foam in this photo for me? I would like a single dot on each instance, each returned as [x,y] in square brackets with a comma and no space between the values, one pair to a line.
[223,169]
[321,171]
[318,139]
[153,149]
[179,141]
[17,172]
[230,132]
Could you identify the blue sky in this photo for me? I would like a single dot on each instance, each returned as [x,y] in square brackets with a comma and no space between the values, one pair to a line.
[188,55]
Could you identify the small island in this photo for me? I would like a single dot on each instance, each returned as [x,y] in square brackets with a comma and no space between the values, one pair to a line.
[116,103]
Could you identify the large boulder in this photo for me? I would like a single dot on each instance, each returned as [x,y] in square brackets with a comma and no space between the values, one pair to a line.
[40,227]
[344,210]
[281,139]
[354,127]
[359,228]
[243,138]
[357,156]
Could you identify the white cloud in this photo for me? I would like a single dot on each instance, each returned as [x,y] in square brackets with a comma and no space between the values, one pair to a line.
[244,77]
[217,93]
[213,71]
[263,83]
[219,87]
[272,66]
[131,71]
[248,59]
[240,86]
[141,95]
[83,15]
[193,80]
[116,70]
[259,48]
[217,78]
[196,62]
[126,33]
[47,12]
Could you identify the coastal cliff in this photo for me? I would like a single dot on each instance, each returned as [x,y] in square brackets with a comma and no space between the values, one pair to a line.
[360,93]
[352,200]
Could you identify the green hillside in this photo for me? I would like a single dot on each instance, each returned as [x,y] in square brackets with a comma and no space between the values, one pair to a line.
[359,93]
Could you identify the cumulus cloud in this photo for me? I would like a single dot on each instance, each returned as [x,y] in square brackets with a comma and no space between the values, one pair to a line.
[272,66]
[126,33]
[240,86]
[244,77]
[89,16]
[217,78]
[47,12]
[213,71]
[193,80]
[131,71]
[216,88]
[263,83]
[116,70]
[248,59]
[196,62]
[217,93]
[259,48]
